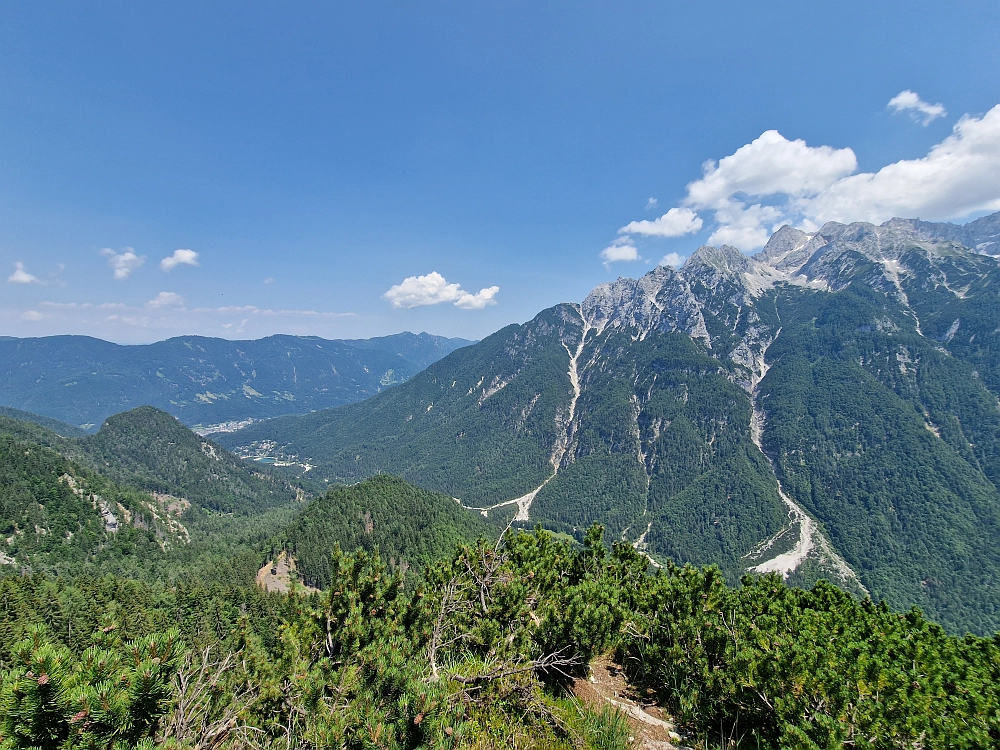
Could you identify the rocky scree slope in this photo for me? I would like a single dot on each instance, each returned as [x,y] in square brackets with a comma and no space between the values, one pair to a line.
[826,408]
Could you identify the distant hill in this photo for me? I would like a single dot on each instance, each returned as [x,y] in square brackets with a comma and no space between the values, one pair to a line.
[827,408]
[144,497]
[59,515]
[411,527]
[60,428]
[150,449]
[206,381]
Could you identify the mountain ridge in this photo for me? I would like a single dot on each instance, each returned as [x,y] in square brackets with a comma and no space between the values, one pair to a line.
[205,381]
[683,409]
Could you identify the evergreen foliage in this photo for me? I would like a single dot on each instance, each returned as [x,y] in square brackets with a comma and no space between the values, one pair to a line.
[60,428]
[152,450]
[85,506]
[478,425]
[481,652]
[872,394]
[897,462]
[112,696]
[410,526]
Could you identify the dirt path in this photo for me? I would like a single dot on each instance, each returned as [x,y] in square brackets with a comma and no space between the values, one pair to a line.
[651,728]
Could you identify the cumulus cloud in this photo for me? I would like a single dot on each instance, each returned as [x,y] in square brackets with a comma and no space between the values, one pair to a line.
[770,164]
[166,299]
[674,223]
[651,204]
[919,110]
[433,289]
[773,181]
[180,257]
[479,300]
[31,315]
[959,176]
[674,260]
[744,226]
[622,249]
[21,275]
[124,263]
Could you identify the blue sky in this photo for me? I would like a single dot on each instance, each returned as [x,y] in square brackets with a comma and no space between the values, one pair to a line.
[314,156]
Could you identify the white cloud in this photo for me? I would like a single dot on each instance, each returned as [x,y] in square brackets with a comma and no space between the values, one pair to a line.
[236,326]
[674,260]
[674,223]
[622,249]
[123,264]
[31,315]
[21,275]
[651,204]
[773,181]
[921,111]
[744,226]
[959,176]
[770,164]
[180,257]
[269,280]
[433,289]
[479,300]
[166,299]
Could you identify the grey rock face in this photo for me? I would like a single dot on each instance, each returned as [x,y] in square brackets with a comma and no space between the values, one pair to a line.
[714,296]
[981,235]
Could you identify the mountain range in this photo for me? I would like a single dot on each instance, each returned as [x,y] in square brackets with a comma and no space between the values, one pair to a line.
[826,408]
[205,381]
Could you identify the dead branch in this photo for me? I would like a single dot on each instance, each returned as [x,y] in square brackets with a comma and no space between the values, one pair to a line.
[554,662]
[198,716]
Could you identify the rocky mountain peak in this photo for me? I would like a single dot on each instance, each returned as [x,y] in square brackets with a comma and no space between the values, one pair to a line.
[627,301]
[785,248]
[723,284]
[981,235]
[726,259]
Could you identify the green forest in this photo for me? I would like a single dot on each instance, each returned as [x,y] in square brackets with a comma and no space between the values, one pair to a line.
[483,650]
[411,622]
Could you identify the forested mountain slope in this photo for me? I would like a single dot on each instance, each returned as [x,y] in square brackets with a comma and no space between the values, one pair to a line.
[825,408]
[410,527]
[206,381]
[151,449]
[60,428]
[147,498]
[57,515]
